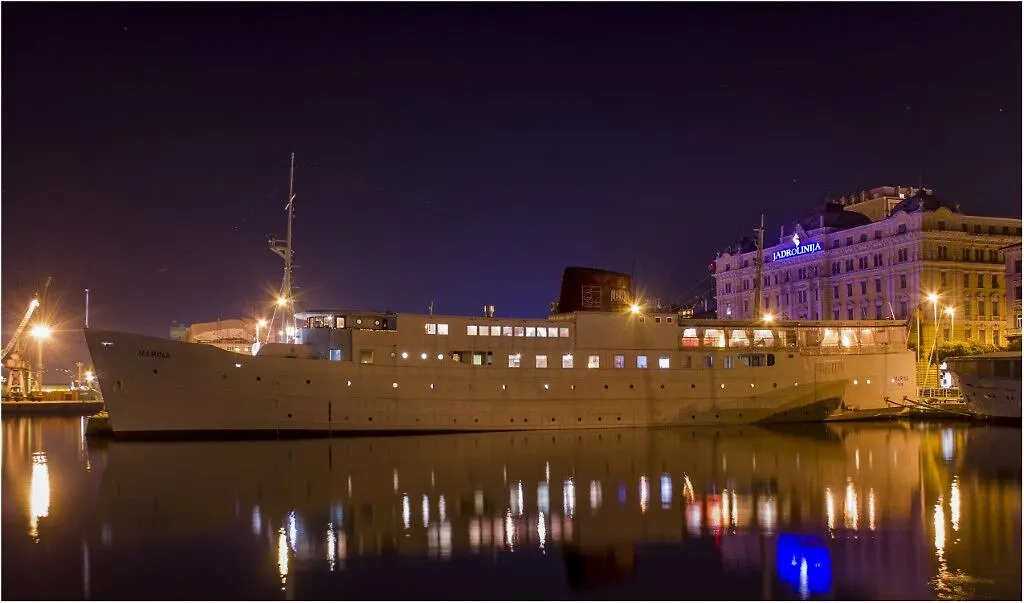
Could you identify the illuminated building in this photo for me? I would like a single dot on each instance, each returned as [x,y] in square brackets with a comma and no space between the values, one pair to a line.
[878,255]
[1012,254]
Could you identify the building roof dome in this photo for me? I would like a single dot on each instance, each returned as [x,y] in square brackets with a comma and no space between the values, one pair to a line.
[834,216]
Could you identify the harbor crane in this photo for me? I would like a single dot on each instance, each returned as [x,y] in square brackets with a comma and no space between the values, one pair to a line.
[18,368]
[20,379]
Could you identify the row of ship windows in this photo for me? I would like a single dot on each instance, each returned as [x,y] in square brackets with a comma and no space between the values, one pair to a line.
[499,331]
[593,360]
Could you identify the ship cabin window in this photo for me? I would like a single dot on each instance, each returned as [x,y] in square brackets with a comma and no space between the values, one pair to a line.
[506,331]
[518,331]
[542,361]
[727,362]
[456,356]
[847,338]
[514,360]
[335,355]
[663,362]
[714,338]
[619,361]
[867,337]
[593,361]
[483,331]
[668,319]
[685,362]
[542,332]
[483,358]
[552,331]
[471,330]
[830,338]
[641,362]
[442,328]
[531,331]
[365,356]
[563,331]
[567,361]
[430,328]
[709,361]
[495,331]
[738,339]
[763,338]
[757,359]
[689,339]
[339,322]
[657,320]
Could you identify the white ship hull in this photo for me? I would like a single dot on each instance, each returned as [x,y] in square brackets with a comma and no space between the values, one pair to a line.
[154,386]
[990,383]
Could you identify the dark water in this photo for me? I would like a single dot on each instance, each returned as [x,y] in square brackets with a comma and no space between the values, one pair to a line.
[892,511]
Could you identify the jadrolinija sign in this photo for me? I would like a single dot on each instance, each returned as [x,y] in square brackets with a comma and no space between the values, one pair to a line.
[796,249]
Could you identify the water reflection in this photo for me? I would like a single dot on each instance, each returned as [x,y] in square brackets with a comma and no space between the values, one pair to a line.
[752,512]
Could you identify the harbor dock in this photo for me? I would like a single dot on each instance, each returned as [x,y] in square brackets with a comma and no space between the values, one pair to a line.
[69,408]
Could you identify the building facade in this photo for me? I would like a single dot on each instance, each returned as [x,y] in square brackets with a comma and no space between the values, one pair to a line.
[895,253]
[1012,254]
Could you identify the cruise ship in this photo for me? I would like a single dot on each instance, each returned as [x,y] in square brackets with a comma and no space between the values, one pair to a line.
[599,360]
[990,383]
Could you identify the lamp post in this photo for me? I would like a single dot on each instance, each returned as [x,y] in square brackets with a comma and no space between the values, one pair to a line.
[40,332]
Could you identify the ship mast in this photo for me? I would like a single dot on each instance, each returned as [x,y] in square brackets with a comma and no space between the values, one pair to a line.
[758,276]
[286,302]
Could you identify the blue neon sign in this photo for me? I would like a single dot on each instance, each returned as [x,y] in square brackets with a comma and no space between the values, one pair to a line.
[796,250]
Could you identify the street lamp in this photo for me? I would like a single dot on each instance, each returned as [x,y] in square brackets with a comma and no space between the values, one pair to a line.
[934,299]
[40,332]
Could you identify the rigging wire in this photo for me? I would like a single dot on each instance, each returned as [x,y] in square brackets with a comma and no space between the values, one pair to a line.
[220,239]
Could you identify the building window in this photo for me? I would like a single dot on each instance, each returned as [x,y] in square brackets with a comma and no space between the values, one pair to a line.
[727,362]
[365,356]
[835,313]
[981,307]
[863,287]
[709,361]
[1016,266]
[442,328]
[531,331]
[878,285]
[593,361]
[470,329]
[506,331]
[663,362]
[849,289]
[995,308]
[995,281]
[431,328]
[981,281]
[542,361]
[967,334]
[942,225]
[566,361]
[514,360]
[902,229]
[995,337]
[641,362]
[942,279]
[563,331]
[542,332]
[518,331]
[903,308]
[495,331]
[903,281]
[878,312]
[619,361]
[981,336]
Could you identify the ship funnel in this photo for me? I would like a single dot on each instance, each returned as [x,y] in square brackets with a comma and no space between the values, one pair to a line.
[489,311]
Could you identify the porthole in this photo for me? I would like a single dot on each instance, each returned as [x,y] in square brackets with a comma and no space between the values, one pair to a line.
[662,386]
[348,383]
[307,381]
[630,386]
[289,415]
[258,379]
[775,384]
[693,385]
[606,387]
[552,419]
[394,385]
[155,371]
[578,419]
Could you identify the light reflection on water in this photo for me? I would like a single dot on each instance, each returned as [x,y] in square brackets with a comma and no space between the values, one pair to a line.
[287,519]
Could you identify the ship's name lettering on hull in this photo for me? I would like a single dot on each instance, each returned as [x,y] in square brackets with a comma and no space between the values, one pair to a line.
[153,354]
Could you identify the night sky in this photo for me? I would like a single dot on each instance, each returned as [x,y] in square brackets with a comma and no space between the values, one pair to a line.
[466,153]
